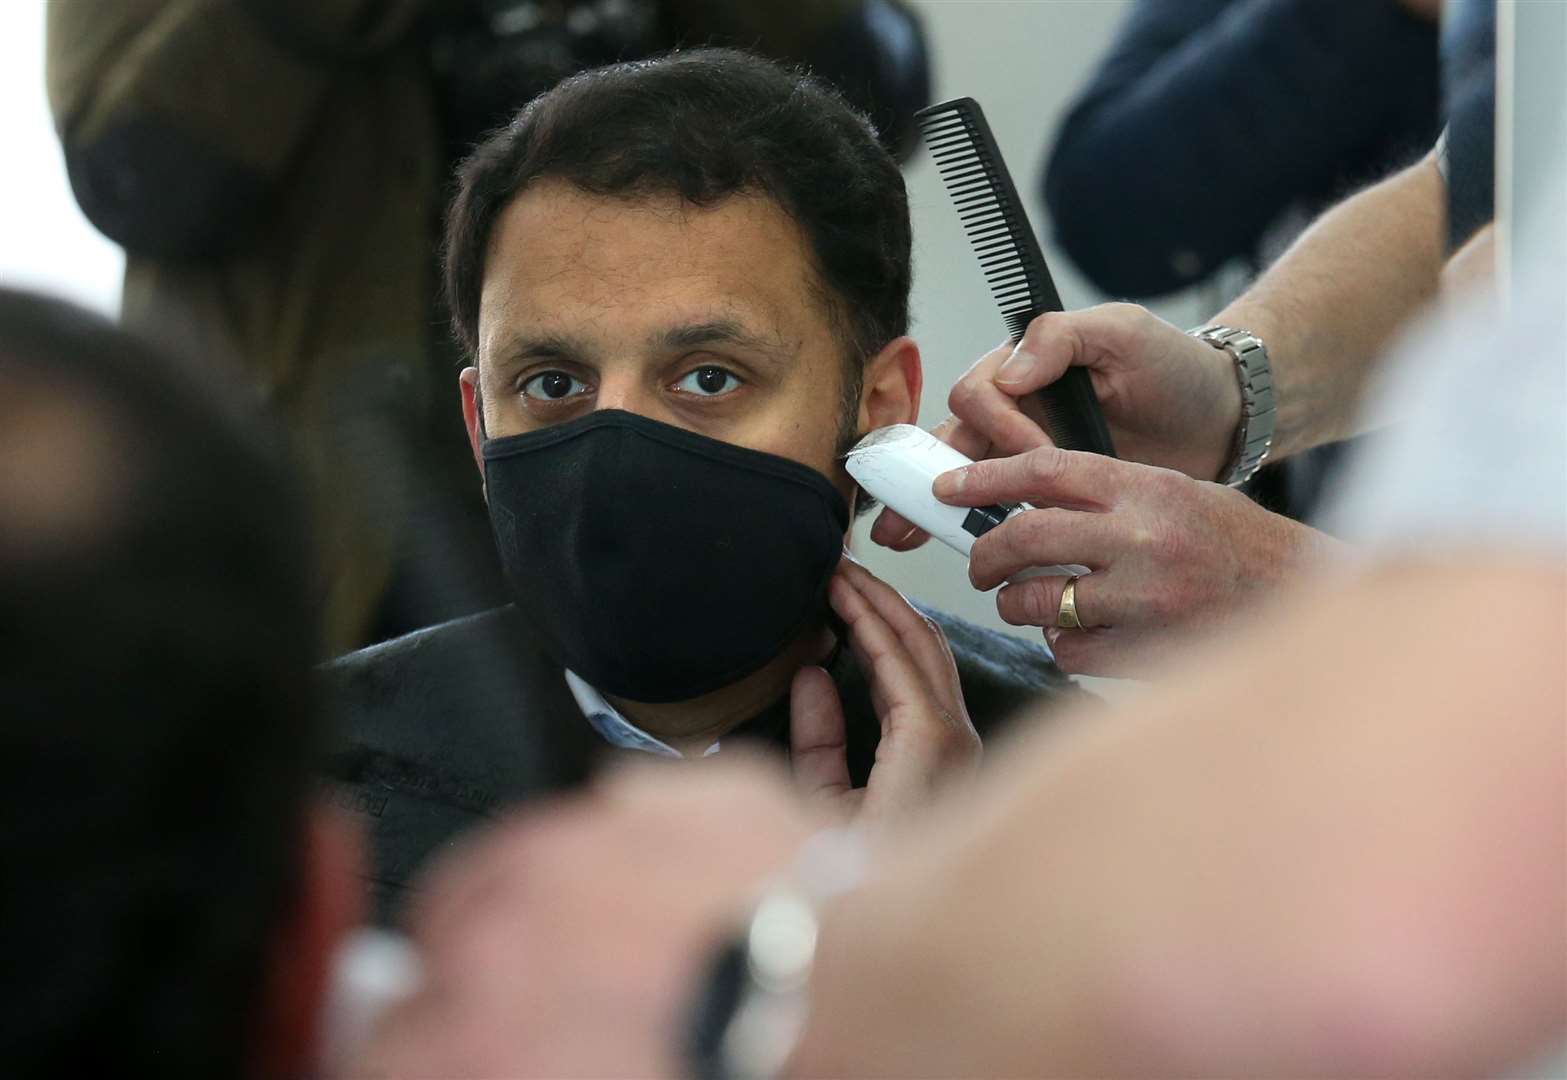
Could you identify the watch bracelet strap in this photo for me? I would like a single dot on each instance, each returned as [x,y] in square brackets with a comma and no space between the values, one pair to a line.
[1254,435]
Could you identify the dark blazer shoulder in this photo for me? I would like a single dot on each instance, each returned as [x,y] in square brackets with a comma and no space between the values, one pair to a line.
[439,729]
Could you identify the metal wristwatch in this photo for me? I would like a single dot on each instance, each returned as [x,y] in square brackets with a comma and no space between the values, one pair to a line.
[1254,436]
[752,1005]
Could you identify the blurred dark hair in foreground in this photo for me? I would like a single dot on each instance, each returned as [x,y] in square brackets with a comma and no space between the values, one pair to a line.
[157,733]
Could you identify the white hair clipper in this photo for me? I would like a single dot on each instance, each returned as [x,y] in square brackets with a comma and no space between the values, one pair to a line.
[897,466]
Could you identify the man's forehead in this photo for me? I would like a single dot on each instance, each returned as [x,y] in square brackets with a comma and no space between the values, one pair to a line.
[560,255]
[551,336]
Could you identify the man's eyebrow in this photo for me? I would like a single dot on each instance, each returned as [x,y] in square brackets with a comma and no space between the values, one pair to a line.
[721,332]
[527,347]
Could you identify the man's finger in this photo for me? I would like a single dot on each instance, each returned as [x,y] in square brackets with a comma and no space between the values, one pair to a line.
[818,745]
[899,688]
[918,734]
[1037,601]
[894,679]
[923,639]
[1057,340]
[1048,537]
[922,712]
[980,404]
[893,530]
[1045,477]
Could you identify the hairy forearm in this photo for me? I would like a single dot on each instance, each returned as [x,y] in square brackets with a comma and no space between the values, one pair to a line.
[1272,872]
[1336,298]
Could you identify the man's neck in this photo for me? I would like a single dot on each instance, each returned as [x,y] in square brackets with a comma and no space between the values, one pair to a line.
[692,726]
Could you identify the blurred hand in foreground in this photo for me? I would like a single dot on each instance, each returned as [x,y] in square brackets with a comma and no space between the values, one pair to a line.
[567,941]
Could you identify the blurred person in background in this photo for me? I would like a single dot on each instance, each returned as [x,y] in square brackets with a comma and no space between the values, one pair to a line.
[1209,121]
[174,890]
[1281,370]
[1260,114]
[1259,872]
[683,286]
[275,173]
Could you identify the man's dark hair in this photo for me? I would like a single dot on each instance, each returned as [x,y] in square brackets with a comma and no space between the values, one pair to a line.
[703,125]
[157,734]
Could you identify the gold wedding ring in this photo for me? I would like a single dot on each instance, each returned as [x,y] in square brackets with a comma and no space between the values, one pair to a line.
[1066,618]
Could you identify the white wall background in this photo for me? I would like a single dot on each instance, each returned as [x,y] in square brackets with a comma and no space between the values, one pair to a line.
[45,243]
[1022,59]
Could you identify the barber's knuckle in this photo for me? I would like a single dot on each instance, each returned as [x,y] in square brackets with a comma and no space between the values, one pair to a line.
[1046,465]
[1035,527]
[964,395]
[1132,318]
[1045,326]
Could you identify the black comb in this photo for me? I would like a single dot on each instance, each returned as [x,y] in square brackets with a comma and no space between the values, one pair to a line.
[982,192]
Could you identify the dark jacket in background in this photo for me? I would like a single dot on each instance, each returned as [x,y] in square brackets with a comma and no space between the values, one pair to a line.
[276,171]
[444,727]
[1209,119]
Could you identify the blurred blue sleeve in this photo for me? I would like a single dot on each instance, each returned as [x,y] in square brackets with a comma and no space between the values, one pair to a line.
[1209,118]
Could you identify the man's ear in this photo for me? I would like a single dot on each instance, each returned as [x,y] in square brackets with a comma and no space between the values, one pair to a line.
[890,392]
[327,902]
[468,385]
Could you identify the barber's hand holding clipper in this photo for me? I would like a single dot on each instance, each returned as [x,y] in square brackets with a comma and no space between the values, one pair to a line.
[1170,550]
[1168,398]
[1168,554]
[927,739]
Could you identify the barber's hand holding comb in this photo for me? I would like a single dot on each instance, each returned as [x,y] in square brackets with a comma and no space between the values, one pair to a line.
[1170,550]
[1169,399]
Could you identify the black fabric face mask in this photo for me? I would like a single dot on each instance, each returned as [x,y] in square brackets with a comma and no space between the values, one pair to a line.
[658,564]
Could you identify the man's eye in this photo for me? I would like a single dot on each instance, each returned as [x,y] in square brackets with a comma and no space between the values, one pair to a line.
[708,381]
[553,385]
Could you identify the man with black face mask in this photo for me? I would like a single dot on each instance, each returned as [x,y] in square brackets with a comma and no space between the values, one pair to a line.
[684,288]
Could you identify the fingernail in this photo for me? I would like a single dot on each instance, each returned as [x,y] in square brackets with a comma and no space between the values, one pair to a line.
[1017,367]
[949,484]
